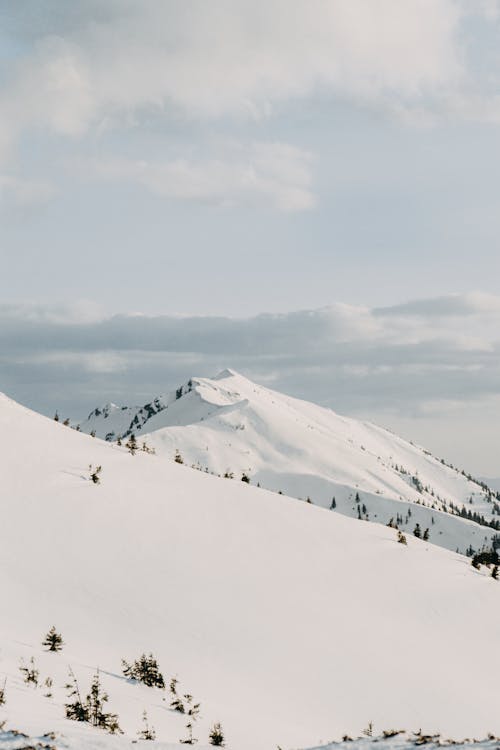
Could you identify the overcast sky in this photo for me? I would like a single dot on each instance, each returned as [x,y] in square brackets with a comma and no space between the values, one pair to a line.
[304,190]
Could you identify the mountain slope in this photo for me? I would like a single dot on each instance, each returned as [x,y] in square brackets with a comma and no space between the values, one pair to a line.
[229,424]
[291,624]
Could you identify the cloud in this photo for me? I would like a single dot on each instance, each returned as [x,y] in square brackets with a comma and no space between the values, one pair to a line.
[349,357]
[276,173]
[91,64]
[450,305]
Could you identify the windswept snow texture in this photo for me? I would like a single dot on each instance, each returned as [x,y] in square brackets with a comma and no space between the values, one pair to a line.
[229,424]
[291,624]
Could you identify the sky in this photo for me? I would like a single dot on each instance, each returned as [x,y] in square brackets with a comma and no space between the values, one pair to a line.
[306,191]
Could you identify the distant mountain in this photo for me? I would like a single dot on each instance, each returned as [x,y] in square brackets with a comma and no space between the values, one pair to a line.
[292,625]
[229,425]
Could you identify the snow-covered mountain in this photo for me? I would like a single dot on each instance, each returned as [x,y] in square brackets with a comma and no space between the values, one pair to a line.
[230,425]
[291,624]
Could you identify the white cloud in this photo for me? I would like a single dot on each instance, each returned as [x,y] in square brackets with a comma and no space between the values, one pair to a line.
[236,57]
[277,173]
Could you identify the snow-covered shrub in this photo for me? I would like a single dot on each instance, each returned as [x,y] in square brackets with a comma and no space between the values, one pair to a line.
[216,736]
[30,672]
[147,732]
[145,670]
[91,710]
[53,640]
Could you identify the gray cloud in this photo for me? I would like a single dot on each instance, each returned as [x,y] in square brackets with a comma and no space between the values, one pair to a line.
[349,357]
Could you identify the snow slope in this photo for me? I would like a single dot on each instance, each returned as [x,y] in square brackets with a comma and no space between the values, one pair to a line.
[229,424]
[291,624]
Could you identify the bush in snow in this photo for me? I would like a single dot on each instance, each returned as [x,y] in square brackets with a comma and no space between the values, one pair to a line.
[2,692]
[147,732]
[178,458]
[494,572]
[145,670]
[176,703]
[417,531]
[245,478]
[30,672]
[94,474]
[91,710]
[216,736]
[48,687]
[53,640]
[131,444]
[191,710]
[401,538]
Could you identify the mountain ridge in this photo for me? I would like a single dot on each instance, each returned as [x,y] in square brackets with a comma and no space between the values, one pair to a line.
[229,425]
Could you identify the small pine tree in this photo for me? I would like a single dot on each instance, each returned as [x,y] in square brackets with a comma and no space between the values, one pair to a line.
[176,703]
[56,417]
[145,670]
[426,535]
[191,710]
[119,441]
[401,538]
[66,422]
[94,474]
[131,444]
[95,701]
[369,730]
[2,693]
[53,640]
[494,572]
[92,709]
[417,531]
[30,672]
[178,458]
[75,709]
[92,434]
[147,732]
[216,736]
[245,478]
[333,504]
[357,498]
[48,686]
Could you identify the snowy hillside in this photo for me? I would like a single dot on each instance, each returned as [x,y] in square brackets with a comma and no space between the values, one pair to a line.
[290,624]
[230,425]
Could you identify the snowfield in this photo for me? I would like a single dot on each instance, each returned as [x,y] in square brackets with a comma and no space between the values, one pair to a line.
[229,424]
[291,624]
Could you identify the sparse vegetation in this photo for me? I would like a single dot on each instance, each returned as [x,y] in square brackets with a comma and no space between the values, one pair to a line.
[91,710]
[191,710]
[147,732]
[53,640]
[216,736]
[30,672]
[94,474]
[131,444]
[145,670]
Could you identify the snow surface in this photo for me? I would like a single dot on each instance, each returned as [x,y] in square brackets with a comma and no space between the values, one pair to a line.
[291,624]
[230,424]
